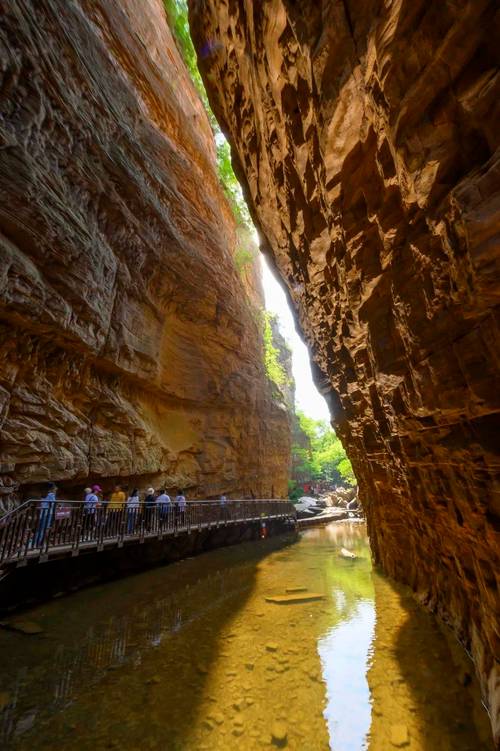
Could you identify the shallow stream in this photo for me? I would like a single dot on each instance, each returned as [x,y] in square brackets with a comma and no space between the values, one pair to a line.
[192,657]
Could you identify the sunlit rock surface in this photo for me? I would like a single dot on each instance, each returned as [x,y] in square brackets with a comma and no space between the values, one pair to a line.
[129,345]
[366,135]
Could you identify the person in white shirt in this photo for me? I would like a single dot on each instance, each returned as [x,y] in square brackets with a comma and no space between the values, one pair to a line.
[89,508]
[133,505]
[180,502]
[91,501]
[163,504]
[223,506]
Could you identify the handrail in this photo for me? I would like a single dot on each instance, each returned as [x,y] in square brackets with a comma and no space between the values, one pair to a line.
[14,511]
[35,527]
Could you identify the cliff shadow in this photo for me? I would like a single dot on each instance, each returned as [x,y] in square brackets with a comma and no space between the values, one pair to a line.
[125,664]
[421,681]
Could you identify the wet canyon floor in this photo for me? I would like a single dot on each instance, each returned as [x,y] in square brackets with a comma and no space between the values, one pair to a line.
[192,657]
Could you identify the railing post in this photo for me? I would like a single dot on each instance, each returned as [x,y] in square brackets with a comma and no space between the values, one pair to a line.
[161,512]
[100,522]
[77,529]
[29,532]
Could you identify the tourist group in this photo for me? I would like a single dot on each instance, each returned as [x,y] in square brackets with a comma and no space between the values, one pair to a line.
[112,514]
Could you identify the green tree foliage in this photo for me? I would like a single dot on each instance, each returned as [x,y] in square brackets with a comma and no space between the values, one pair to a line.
[294,490]
[230,184]
[244,256]
[177,14]
[326,460]
[274,370]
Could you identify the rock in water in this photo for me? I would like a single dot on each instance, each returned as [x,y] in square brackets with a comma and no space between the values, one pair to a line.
[217,717]
[344,553]
[24,627]
[279,734]
[272,647]
[296,598]
[399,736]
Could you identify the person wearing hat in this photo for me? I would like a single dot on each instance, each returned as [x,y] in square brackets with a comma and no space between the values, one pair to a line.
[47,509]
[149,505]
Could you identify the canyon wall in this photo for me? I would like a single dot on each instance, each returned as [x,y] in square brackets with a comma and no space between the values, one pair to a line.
[366,137]
[130,347]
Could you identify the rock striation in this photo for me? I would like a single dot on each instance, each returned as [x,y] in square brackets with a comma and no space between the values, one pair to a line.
[366,136]
[130,347]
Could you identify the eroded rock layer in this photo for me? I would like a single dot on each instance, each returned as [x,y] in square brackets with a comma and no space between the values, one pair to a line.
[366,134]
[130,347]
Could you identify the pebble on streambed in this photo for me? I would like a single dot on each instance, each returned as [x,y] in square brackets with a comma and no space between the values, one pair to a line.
[399,736]
[279,734]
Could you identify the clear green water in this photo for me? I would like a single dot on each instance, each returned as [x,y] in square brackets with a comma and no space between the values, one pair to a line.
[192,656]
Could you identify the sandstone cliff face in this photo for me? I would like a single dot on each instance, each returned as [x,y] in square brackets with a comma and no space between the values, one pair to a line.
[129,346]
[366,135]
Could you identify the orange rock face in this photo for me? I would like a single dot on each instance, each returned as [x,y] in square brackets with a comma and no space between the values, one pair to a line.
[130,348]
[367,138]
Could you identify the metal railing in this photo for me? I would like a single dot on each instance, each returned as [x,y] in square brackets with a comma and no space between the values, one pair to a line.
[37,528]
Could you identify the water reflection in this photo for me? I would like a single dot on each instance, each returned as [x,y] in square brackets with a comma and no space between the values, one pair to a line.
[113,644]
[57,668]
[345,649]
[193,657]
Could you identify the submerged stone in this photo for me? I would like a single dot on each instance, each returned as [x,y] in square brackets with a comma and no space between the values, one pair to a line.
[24,627]
[344,553]
[399,736]
[4,700]
[295,598]
[217,717]
[279,734]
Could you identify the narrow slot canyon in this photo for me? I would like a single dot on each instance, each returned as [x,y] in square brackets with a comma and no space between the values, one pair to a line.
[163,166]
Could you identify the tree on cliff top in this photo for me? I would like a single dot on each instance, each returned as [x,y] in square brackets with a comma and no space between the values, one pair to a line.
[177,15]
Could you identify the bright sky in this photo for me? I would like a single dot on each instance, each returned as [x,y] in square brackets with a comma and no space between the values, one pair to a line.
[307,396]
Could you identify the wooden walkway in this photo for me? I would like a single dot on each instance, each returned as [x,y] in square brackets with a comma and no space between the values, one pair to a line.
[34,533]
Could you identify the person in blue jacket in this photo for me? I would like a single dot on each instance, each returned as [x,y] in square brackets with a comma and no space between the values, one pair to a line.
[46,515]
